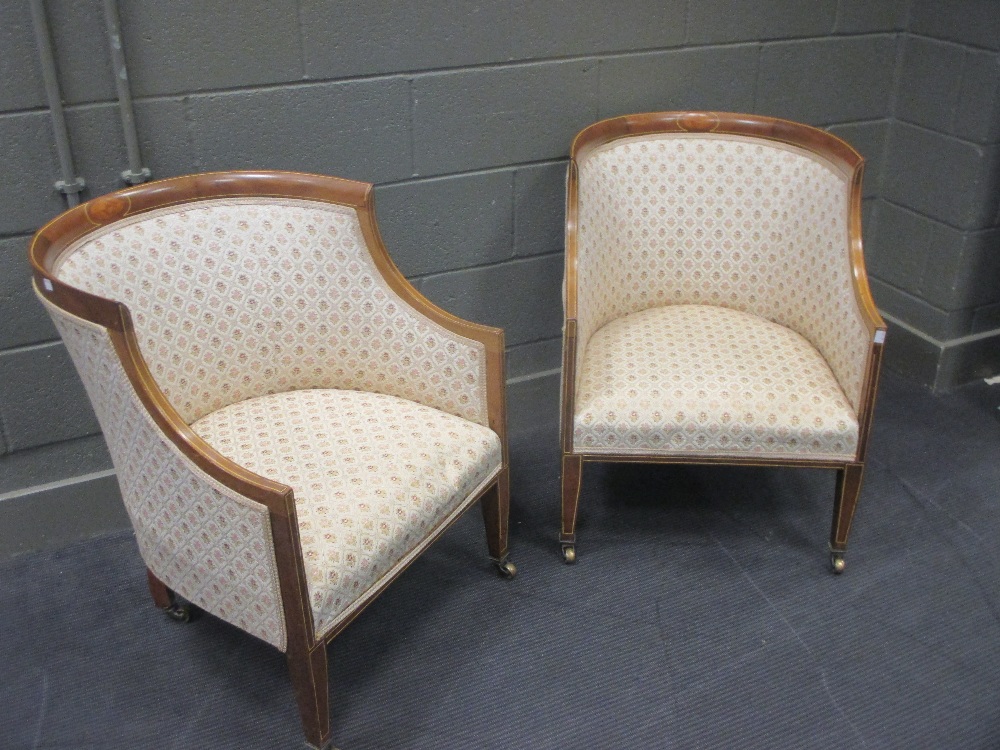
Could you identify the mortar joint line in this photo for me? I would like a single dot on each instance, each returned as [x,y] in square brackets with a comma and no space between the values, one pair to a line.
[302,40]
[411,128]
[495,64]
[494,264]
[936,220]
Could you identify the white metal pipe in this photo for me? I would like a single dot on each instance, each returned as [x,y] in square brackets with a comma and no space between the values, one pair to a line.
[135,173]
[70,185]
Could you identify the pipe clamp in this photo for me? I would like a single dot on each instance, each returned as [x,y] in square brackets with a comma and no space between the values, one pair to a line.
[137,178]
[68,188]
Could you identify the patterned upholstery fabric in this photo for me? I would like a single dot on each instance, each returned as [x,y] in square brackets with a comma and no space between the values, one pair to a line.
[696,378]
[730,221]
[240,297]
[373,475]
[210,545]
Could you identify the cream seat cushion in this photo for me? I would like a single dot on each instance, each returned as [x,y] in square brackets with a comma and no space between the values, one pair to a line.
[699,379]
[372,476]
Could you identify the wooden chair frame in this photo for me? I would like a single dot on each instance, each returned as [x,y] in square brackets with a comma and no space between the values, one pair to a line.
[306,654]
[826,145]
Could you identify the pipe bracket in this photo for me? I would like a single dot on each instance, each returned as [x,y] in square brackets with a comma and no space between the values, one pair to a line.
[137,178]
[69,188]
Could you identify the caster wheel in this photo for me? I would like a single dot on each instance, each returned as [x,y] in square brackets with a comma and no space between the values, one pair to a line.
[179,612]
[837,563]
[569,554]
[507,569]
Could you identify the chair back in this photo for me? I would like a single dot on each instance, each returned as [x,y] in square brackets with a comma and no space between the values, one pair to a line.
[238,296]
[714,210]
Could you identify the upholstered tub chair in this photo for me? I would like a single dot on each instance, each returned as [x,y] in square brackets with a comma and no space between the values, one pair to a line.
[716,304]
[291,423]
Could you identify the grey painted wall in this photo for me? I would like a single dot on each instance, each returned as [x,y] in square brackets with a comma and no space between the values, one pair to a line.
[934,236]
[462,113]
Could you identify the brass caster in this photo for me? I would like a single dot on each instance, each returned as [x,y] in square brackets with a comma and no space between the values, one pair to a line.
[837,563]
[179,612]
[569,553]
[507,569]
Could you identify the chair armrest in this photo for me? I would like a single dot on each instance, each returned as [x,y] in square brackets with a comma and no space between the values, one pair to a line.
[567,391]
[474,363]
[214,532]
[846,326]
[874,324]
[859,275]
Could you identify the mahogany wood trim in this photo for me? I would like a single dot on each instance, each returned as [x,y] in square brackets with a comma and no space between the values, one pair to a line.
[568,399]
[869,391]
[869,315]
[730,123]
[572,229]
[703,460]
[496,394]
[66,228]
[849,480]
[495,505]
[309,672]
[859,275]
[572,474]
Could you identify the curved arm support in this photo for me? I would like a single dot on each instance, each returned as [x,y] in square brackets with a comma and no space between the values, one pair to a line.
[491,338]
[114,316]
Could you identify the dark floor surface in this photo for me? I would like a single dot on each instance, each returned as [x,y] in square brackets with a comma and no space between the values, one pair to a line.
[701,614]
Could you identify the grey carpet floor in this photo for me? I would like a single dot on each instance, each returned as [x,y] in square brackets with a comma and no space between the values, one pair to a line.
[701,614]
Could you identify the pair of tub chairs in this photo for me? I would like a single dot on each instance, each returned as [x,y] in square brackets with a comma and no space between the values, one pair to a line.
[292,424]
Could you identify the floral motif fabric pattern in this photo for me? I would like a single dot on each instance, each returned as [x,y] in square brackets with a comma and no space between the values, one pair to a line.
[239,297]
[730,221]
[372,474]
[697,378]
[210,545]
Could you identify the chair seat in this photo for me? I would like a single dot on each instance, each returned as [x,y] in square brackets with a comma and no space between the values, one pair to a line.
[701,380]
[373,475]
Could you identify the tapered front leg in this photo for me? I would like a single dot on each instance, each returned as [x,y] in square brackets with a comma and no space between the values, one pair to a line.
[495,504]
[308,670]
[572,471]
[848,490]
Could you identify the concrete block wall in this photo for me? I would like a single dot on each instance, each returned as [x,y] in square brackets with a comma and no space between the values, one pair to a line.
[933,242]
[461,113]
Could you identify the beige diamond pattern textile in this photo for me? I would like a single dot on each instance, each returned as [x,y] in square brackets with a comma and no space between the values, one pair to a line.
[372,474]
[209,544]
[240,297]
[686,379]
[724,220]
